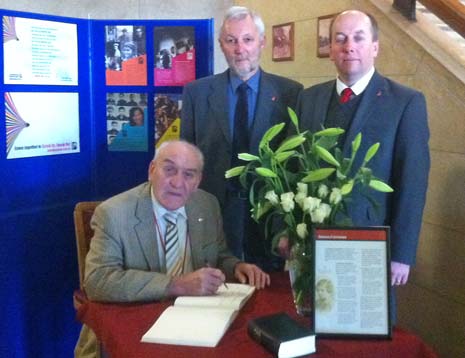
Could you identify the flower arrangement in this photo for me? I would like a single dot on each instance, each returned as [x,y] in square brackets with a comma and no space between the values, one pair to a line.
[304,182]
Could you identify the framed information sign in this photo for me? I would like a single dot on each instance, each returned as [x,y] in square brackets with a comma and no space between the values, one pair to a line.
[352,282]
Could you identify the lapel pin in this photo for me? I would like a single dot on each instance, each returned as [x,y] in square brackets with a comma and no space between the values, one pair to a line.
[379,93]
[200,220]
[274,98]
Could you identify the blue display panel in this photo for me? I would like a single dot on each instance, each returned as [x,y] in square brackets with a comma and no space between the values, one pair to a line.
[38,264]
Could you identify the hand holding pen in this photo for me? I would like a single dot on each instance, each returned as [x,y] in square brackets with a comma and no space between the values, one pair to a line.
[207,264]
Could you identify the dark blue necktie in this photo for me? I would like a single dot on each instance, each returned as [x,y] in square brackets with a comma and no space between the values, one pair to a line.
[241,128]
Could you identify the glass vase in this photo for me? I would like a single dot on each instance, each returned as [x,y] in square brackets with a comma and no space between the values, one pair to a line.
[301,277]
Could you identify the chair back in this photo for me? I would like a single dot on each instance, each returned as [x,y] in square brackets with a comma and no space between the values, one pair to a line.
[82,214]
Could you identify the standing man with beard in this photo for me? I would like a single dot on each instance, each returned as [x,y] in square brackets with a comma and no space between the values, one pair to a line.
[211,119]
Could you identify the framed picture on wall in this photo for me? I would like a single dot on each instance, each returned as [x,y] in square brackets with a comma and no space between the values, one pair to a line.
[322,46]
[283,42]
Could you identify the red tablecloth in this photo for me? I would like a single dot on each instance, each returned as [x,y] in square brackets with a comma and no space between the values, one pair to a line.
[121,326]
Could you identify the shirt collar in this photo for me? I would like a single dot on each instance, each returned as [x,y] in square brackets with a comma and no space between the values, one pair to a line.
[253,82]
[160,211]
[359,86]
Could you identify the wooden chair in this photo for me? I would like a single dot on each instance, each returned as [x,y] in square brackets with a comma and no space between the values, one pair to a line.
[82,214]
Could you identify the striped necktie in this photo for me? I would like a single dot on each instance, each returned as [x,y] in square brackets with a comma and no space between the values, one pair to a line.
[172,256]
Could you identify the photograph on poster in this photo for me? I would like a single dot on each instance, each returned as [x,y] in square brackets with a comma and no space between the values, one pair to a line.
[125,55]
[322,46]
[41,124]
[167,117]
[174,48]
[127,122]
[283,42]
[39,52]
[351,290]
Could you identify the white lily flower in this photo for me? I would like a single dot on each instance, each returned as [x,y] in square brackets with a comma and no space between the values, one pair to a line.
[302,230]
[310,204]
[272,197]
[322,191]
[335,196]
[302,188]
[299,199]
[321,213]
[287,201]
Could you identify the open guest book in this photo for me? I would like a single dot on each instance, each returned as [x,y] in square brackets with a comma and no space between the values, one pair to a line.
[199,320]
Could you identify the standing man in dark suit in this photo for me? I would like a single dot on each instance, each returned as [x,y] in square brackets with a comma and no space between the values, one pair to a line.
[130,257]
[383,111]
[211,119]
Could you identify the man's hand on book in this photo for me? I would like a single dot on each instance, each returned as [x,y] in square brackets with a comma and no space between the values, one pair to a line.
[204,281]
[251,274]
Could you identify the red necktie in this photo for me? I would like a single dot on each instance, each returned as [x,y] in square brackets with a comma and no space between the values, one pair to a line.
[346,95]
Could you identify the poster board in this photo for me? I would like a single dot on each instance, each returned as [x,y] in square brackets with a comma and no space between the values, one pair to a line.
[352,282]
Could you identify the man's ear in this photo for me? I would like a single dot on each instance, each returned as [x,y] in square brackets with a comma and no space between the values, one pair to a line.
[375,48]
[151,169]
[263,42]
[199,181]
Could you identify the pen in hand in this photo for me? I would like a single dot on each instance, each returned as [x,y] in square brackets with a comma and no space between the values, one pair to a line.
[208,265]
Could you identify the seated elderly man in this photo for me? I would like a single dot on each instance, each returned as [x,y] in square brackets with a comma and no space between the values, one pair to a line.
[163,238]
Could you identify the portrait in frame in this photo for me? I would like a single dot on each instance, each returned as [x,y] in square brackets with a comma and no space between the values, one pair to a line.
[283,42]
[323,41]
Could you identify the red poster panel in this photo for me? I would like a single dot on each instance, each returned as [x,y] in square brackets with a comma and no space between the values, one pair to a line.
[174,55]
[125,56]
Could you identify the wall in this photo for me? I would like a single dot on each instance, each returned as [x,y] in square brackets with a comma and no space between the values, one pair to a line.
[131,9]
[433,303]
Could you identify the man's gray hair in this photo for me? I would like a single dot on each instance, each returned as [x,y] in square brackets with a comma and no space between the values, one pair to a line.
[241,12]
[191,146]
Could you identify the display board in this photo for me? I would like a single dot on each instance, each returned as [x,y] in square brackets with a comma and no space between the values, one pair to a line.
[59,146]
[352,282]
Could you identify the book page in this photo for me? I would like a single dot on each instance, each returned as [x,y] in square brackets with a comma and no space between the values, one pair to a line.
[234,296]
[188,326]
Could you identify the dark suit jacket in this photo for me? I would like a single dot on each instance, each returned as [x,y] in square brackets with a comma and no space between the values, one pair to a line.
[395,116]
[123,265]
[205,120]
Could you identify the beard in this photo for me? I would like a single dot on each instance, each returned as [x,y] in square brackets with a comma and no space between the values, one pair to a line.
[245,70]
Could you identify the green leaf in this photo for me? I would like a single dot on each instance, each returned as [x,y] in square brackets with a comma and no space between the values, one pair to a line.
[293,117]
[378,185]
[291,143]
[329,132]
[234,172]
[281,157]
[271,133]
[326,156]
[262,209]
[371,152]
[347,188]
[327,142]
[265,172]
[356,143]
[317,175]
[247,157]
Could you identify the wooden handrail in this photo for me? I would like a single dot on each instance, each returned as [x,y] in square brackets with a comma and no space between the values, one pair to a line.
[452,12]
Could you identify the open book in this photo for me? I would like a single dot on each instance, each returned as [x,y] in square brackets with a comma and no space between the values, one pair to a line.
[199,320]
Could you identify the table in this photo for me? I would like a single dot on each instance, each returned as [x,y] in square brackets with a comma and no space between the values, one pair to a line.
[120,327]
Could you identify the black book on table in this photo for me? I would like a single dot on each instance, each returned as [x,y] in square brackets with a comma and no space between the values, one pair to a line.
[282,335]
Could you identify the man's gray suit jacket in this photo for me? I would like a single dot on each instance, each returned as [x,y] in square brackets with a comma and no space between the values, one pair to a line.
[122,264]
